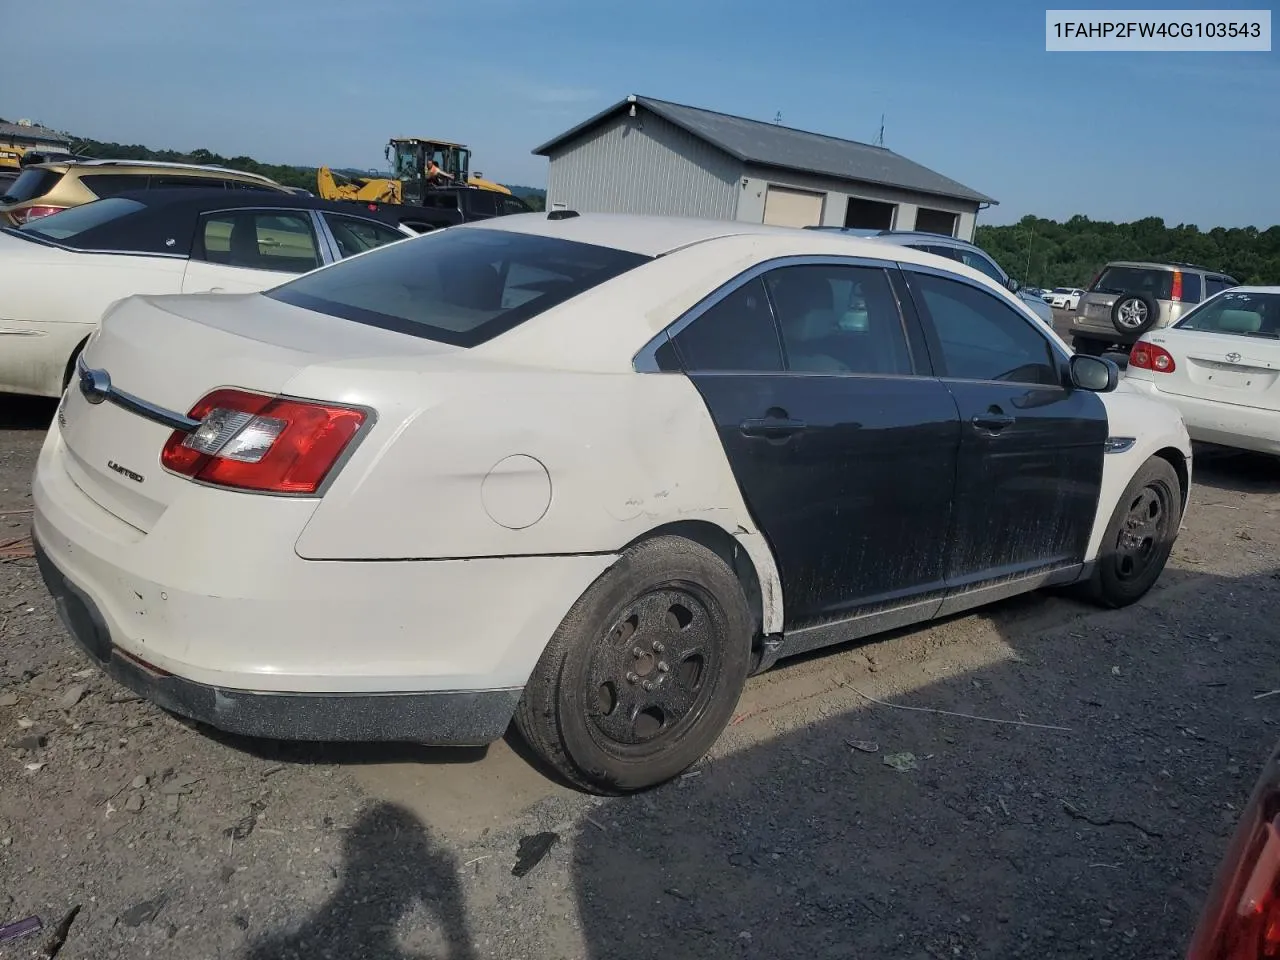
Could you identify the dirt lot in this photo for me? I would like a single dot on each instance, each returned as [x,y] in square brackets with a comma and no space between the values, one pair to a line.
[1090,830]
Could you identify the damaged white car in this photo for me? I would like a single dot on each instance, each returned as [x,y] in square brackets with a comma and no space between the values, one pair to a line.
[583,472]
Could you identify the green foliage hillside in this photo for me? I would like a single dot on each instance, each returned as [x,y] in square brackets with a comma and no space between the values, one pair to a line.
[1046,253]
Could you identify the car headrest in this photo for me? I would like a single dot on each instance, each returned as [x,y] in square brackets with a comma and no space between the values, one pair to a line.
[1239,321]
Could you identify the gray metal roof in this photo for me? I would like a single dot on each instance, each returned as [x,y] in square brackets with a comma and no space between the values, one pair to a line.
[772,145]
[33,132]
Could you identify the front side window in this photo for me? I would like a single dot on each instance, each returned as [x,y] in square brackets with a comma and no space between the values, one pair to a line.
[982,338]
[1238,312]
[462,286]
[737,334]
[510,205]
[357,235]
[1215,285]
[280,241]
[837,319]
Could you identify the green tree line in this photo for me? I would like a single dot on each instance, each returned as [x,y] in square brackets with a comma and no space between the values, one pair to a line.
[1047,253]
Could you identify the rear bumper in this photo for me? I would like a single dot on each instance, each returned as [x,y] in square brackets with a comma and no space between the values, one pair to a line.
[1224,424]
[460,717]
[213,615]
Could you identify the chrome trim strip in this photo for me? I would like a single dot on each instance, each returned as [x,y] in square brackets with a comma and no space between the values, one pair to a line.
[645,361]
[96,387]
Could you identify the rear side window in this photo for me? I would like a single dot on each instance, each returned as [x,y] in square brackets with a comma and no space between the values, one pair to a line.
[1152,281]
[31,183]
[484,203]
[736,334]
[356,235]
[165,181]
[109,184]
[510,205]
[1191,292]
[460,286]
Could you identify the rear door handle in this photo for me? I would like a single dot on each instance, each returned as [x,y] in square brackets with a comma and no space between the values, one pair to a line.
[772,428]
[995,422]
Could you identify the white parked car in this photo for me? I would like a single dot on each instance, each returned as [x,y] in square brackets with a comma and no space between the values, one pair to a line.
[60,272]
[584,471]
[1064,298]
[1219,366]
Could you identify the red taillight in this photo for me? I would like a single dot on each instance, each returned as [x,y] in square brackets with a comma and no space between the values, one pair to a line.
[253,442]
[1242,918]
[27,214]
[1175,294]
[1149,356]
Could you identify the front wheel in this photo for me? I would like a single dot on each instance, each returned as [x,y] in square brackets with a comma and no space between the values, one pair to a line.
[644,672]
[1140,535]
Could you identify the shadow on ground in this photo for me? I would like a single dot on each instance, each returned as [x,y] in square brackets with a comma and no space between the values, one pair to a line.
[1089,826]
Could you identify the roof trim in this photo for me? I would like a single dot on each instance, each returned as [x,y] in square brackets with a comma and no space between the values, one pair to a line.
[656,107]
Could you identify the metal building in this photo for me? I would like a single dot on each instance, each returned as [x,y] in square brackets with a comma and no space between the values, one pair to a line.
[653,157]
[17,138]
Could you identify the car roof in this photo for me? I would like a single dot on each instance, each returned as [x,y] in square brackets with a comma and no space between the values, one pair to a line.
[1166,265]
[656,236]
[167,224]
[66,166]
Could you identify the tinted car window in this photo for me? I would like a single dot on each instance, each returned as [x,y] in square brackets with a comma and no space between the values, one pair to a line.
[171,181]
[461,286]
[738,333]
[1214,285]
[109,184]
[279,240]
[70,223]
[356,235]
[31,183]
[982,264]
[838,320]
[1246,314]
[1155,282]
[982,338]
[1191,292]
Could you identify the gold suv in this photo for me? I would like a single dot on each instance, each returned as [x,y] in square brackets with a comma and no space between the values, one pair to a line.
[45,188]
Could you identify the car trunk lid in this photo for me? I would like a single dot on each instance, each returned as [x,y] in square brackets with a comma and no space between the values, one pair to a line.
[165,354]
[1222,366]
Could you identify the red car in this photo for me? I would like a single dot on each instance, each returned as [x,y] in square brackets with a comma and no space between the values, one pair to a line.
[1241,920]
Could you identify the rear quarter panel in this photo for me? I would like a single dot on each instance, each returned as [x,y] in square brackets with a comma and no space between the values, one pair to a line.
[469,463]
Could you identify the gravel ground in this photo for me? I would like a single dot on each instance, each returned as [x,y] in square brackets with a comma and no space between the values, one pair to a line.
[1090,827]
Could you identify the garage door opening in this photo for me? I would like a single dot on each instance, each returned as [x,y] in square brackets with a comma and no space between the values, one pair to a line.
[936,221]
[784,207]
[869,214]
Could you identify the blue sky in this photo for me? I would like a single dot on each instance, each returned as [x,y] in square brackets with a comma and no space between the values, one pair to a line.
[967,89]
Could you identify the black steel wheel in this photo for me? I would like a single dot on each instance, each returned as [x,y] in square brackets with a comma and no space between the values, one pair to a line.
[1140,536]
[645,671]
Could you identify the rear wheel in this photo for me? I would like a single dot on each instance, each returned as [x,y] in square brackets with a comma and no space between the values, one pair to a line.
[1139,538]
[644,672]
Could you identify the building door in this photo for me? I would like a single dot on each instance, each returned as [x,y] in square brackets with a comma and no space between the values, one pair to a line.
[785,207]
[869,214]
[936,221]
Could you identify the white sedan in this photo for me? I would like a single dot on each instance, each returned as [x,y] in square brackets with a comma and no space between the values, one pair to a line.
[586,472]
[1064,298]
[59,273]
[1220,367]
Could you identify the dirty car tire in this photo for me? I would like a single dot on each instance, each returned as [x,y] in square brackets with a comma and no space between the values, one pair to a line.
[643,673]
[1139,536]
[1131,305]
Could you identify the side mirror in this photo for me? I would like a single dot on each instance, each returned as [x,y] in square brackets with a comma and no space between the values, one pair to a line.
[1096,374]
[1013,285]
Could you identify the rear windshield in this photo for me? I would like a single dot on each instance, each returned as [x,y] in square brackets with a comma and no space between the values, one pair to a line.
[72,222]
[1153,281]
[31,183]
[457,286]
[1246,314]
